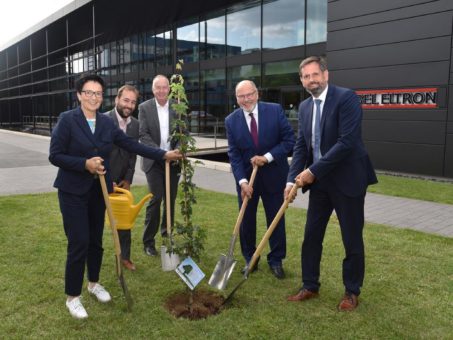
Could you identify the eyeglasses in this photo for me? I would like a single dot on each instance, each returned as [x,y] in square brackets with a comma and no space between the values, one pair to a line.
[90,93]
[247,95]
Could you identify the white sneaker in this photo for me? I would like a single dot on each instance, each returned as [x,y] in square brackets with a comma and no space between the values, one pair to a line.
[76,308]
[100,292]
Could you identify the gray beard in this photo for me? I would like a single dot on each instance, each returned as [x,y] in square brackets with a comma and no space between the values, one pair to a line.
[316,92]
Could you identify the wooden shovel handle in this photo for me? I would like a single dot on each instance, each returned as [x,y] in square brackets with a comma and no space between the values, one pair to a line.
[116,240]
[271,228]
[167,197]
[245,201]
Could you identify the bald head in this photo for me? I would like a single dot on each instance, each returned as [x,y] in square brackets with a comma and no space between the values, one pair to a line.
[247,84]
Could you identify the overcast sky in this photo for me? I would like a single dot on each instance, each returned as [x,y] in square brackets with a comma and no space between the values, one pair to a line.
[19,15]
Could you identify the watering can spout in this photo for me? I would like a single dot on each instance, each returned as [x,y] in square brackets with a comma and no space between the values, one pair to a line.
[135,209]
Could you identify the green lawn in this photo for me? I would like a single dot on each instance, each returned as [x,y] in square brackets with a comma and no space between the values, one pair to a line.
[408,289]
[426,190]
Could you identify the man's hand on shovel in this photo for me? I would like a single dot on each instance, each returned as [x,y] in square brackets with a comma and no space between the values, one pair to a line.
[246,190]
[258,160]
[306,177]
[287,192]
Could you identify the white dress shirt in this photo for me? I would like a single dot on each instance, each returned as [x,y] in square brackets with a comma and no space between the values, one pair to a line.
[123,123]
[163,114]
[248,119]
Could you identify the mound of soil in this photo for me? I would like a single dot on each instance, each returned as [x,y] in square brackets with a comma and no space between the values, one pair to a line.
[205,303]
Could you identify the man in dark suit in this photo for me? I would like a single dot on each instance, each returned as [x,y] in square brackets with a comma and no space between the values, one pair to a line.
[330,159]
[259,133]
[122,163]
[156,117]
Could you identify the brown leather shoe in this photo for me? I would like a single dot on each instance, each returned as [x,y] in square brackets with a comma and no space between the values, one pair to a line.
[349,302]
[128,264]
[304,294]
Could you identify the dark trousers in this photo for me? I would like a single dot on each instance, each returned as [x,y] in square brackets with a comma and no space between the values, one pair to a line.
[350,213]
[83,221]
[156,184]
[125,243]
[272,203]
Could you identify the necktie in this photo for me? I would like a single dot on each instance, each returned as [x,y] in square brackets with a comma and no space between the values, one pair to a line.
[253,129]
[317,132]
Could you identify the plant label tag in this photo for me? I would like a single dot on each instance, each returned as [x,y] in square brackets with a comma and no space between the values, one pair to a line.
[190,273]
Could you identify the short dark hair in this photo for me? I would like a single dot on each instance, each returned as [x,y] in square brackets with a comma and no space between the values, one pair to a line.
[321,61]
[86,78]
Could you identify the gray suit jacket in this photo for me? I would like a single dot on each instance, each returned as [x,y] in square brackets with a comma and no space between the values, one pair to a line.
[122,163]
[150,128]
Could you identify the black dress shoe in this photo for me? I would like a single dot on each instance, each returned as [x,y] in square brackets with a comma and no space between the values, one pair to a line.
[150,251]
[278,272]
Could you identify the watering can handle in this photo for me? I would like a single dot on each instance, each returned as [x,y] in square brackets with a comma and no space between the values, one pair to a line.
[123,191]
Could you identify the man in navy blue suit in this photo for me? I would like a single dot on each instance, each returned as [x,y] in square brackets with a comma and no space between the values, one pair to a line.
[330,160]
[259,134]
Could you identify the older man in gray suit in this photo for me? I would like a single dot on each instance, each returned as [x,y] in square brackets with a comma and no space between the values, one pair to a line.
[156,117]
[122,163]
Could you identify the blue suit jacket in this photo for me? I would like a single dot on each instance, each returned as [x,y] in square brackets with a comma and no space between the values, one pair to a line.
[344,164]
[72,143]
[275,135]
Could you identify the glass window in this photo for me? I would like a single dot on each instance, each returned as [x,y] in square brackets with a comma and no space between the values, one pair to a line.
[149,48]
[239,73]
[113,54]
[163,48]
[135,48]
[212,96]
[316,21]
[149,51]
[103,56]
[282,73]
[57,71]
[125,48]
[188,37]
[283,23]
[215,37]
[244,28]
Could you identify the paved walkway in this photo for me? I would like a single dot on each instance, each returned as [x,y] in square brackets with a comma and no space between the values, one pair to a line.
[24,168]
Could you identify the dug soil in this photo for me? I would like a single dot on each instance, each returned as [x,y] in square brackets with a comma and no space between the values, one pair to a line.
[205,303]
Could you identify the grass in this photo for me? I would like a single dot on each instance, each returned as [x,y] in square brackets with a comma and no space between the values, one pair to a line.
[408,289]
[426,190]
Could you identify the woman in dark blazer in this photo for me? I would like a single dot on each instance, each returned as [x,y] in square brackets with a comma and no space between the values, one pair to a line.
[80,146]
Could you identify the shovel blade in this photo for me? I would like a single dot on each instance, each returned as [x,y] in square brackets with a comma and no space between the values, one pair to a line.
[126,293]
[222,272]
[169,260]
[123,285]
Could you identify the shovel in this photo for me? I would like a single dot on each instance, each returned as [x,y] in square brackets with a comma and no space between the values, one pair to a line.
[169,260]
[224,267]
[263,242]
[116,243]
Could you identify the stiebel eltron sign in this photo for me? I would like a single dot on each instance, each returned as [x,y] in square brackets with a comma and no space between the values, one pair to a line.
[421,98]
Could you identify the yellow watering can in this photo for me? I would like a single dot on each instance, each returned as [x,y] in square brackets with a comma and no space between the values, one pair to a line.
[124,210]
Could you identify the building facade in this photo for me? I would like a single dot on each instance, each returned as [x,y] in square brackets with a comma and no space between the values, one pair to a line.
[395,54]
